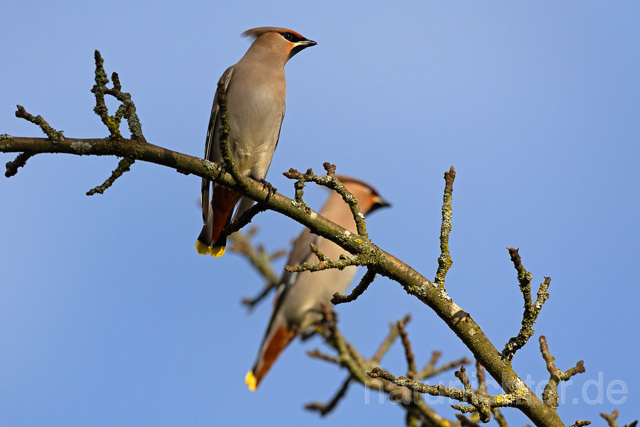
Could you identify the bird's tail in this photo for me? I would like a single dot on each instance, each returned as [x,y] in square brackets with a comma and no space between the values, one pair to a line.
[271,349]
[211,241]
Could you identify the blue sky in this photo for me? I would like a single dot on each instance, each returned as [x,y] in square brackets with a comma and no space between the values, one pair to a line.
[109,317]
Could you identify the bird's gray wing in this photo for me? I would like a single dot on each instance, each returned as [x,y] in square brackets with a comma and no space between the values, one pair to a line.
[214,123]
[300,253]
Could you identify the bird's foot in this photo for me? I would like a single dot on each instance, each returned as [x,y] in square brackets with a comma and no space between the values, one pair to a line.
[327,322]
[267,184]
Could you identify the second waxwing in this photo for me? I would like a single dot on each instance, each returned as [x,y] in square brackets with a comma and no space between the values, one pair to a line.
[256,91]
[301,296]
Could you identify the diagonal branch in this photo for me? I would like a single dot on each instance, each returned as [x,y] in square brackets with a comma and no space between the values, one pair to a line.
[385,264]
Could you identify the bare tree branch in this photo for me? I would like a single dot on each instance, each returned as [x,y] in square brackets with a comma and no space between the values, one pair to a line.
[363,251]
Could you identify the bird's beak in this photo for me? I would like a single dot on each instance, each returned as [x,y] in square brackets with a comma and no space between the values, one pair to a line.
[379,203]
[302,44]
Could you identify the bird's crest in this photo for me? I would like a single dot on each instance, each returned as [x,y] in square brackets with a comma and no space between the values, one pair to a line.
[254,33]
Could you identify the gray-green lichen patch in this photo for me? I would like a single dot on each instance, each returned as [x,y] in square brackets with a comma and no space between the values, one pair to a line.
[2,138]
[81,147]
[209,165]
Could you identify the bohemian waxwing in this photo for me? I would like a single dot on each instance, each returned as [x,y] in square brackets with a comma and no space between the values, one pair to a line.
[300,296]
[256,90]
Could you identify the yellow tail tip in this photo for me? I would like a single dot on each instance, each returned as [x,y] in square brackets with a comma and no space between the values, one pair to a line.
[217,251]
[251,381]
[201,248]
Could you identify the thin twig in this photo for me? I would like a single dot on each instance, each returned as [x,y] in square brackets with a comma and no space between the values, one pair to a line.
[427,372]
[550,393]
[123,166]
[325,262]
[324,409]
[466,422]
[531,310]
[317,354]
[366,280]
[260,260]
[333,183]
[18,162]
[428,368]
[408,350]
[444,260]
[53,135]
[244,219]
[477,401]
[127,109]
[389,339]
[482,389]
[612,419]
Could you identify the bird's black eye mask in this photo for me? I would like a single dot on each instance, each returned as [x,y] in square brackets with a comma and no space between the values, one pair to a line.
[293,38]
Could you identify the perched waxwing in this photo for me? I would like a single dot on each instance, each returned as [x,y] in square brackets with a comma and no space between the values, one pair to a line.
[256,90]
[301,296]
